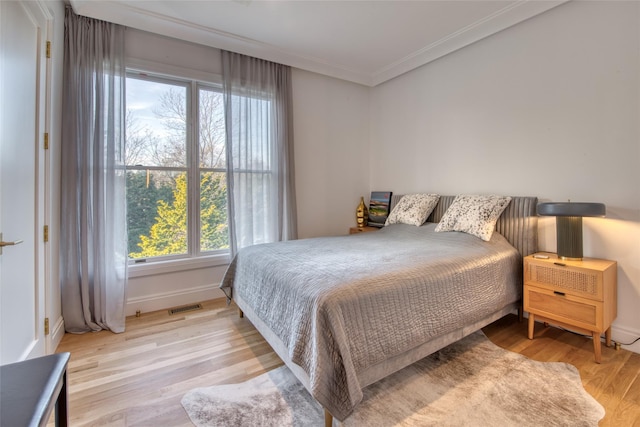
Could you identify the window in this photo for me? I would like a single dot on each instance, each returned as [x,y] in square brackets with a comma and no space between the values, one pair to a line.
[176,169]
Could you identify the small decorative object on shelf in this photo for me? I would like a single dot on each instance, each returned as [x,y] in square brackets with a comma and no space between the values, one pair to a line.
[362,214]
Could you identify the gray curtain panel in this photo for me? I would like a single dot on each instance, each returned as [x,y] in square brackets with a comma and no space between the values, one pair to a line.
[93,239]
[259,144]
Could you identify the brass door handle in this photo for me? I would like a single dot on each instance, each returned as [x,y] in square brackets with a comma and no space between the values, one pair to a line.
[3,243]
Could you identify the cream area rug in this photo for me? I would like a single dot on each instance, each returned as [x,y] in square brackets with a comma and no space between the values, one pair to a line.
[470,383]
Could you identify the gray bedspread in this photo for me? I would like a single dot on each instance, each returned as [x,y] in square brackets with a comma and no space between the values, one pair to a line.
[344,304]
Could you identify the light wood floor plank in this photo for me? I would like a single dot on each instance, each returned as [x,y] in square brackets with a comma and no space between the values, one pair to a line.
[137,378]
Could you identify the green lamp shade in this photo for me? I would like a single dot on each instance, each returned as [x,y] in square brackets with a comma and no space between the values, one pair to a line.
[569,224]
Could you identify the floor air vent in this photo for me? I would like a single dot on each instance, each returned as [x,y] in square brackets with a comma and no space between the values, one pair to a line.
[191,307]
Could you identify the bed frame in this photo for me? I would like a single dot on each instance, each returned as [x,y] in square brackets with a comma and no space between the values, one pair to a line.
[518,224]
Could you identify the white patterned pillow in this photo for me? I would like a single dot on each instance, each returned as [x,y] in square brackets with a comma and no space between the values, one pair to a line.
[413,209]
[475,215]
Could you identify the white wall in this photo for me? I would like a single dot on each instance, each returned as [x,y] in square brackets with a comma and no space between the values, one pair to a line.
[548,108]
[331,119]
[331,138]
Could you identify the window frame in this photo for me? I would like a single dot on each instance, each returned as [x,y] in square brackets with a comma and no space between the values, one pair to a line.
[193,81]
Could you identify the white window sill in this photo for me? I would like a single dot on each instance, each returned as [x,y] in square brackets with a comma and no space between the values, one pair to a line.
[175,265]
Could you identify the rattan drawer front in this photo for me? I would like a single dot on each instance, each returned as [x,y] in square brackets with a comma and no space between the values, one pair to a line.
[561,308]
[579,282]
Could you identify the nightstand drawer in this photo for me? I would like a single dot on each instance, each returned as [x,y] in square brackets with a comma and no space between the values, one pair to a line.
[575,281]
[563,308]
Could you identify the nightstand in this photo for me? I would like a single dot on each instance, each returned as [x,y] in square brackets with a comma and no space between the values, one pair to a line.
[577,295]
[356,230]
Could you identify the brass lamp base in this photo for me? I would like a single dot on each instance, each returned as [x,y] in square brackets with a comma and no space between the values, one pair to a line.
[569,237]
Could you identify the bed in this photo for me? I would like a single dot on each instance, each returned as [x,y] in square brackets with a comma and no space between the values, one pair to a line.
[344,312]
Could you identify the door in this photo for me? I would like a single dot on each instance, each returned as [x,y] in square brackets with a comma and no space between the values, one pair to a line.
[22,124]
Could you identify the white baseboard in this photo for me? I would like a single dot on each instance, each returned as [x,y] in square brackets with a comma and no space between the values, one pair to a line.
[165,300]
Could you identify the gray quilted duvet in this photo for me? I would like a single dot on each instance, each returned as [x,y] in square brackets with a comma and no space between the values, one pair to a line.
[344,304]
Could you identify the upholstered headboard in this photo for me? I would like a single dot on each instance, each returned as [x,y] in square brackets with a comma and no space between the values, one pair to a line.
[518,223]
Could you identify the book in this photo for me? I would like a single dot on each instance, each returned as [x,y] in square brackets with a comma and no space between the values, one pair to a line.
[379,204]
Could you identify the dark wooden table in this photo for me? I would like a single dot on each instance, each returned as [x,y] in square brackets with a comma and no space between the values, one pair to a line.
[31,389]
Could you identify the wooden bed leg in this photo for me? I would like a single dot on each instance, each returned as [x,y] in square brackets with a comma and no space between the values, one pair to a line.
[240,313]
[328,419]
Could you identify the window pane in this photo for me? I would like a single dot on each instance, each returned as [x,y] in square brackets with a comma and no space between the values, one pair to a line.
[164,142]
[156,123]
[211,129]
[156,213]
[213,211]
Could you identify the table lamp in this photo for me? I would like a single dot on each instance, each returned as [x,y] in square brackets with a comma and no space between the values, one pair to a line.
[569,225]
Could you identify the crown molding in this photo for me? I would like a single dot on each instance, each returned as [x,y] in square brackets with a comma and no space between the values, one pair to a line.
[507,17]
[134,17]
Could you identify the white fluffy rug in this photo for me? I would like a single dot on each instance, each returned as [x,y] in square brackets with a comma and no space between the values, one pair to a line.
[470,383]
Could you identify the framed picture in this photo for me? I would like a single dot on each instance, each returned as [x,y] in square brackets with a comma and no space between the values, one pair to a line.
[379,204]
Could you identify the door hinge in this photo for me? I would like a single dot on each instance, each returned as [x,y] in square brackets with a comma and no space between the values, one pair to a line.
[46,326]
[46,233]
[48,49]
[46,140]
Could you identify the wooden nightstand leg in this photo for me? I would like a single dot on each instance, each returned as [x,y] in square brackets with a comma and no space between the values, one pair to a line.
[328,418]
[596,346]
[607,335]
[532,322]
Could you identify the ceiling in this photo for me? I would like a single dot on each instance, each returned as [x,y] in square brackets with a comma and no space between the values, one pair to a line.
[367,42]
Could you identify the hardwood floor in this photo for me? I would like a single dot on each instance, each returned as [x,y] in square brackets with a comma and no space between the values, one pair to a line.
[137,378]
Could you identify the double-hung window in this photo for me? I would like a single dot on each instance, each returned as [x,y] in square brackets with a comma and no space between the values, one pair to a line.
[176,168]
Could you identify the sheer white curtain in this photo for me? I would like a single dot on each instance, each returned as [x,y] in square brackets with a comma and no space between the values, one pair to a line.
[93,240]
[259,128]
